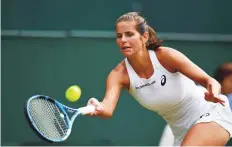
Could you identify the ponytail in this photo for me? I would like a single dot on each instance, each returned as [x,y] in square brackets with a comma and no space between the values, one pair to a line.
[153,43]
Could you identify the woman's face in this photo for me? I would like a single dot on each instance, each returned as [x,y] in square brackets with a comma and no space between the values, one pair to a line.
[128,38]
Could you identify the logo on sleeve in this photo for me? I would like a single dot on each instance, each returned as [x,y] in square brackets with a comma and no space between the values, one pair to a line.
[163,80]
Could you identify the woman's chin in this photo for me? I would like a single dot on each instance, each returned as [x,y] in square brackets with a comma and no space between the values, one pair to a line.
[127,52]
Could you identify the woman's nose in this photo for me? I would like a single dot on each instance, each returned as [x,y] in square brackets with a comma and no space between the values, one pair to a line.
[123,38]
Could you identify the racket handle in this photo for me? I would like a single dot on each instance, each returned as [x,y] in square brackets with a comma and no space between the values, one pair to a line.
[87,109]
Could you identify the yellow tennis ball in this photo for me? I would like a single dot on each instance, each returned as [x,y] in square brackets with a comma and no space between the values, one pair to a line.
[73,93]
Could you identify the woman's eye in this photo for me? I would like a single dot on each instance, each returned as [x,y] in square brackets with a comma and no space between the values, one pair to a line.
[119,36]
[130,34]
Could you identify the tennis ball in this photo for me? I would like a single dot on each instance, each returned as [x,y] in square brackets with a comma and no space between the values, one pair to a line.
[73,93]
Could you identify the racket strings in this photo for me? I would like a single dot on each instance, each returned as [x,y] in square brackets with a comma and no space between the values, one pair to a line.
[48,119]
[57,118]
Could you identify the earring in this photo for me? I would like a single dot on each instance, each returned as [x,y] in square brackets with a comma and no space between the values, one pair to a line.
[144,43]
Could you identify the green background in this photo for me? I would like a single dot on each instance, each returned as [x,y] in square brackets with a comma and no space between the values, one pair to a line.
[48,66]
[196,16]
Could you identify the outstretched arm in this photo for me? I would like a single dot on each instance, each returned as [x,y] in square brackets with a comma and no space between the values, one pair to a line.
[114,84]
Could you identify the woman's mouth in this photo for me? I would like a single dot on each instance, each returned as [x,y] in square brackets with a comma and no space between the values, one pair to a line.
[126,48]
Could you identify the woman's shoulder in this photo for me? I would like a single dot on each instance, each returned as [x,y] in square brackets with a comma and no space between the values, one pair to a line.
[120,68]
[167,53]
[119,74]
[164,55]
[163,50]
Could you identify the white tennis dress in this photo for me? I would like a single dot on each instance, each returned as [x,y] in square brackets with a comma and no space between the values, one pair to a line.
[177,99]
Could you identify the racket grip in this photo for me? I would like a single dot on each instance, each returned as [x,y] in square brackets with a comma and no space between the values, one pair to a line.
[87,109]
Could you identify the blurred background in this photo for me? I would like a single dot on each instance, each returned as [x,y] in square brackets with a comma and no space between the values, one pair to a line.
[49,45]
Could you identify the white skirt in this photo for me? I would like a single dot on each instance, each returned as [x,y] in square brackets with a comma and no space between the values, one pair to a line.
[222,115]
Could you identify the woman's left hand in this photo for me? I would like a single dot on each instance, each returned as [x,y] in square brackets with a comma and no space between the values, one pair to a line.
[211,97]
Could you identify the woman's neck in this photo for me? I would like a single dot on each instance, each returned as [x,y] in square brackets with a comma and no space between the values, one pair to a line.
[142,65]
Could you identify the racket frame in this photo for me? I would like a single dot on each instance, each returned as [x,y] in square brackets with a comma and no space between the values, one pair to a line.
[62,107]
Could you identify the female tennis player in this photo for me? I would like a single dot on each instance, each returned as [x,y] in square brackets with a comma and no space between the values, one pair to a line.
[162,79]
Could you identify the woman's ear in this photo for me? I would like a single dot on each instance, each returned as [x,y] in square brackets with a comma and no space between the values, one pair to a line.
[145,37]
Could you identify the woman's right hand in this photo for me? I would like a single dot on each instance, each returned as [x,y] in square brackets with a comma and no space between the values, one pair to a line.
[98,107]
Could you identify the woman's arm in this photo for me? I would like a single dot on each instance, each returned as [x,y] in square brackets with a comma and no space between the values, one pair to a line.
[179,62]
[114,84]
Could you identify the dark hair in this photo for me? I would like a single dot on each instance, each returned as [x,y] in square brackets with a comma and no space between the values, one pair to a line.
[223,71]
[141,26]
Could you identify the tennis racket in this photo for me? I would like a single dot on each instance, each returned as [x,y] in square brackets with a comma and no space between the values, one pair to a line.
[50,119]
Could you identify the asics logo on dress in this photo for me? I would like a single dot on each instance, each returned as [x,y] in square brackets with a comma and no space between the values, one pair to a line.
[163,80]
[204,115]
